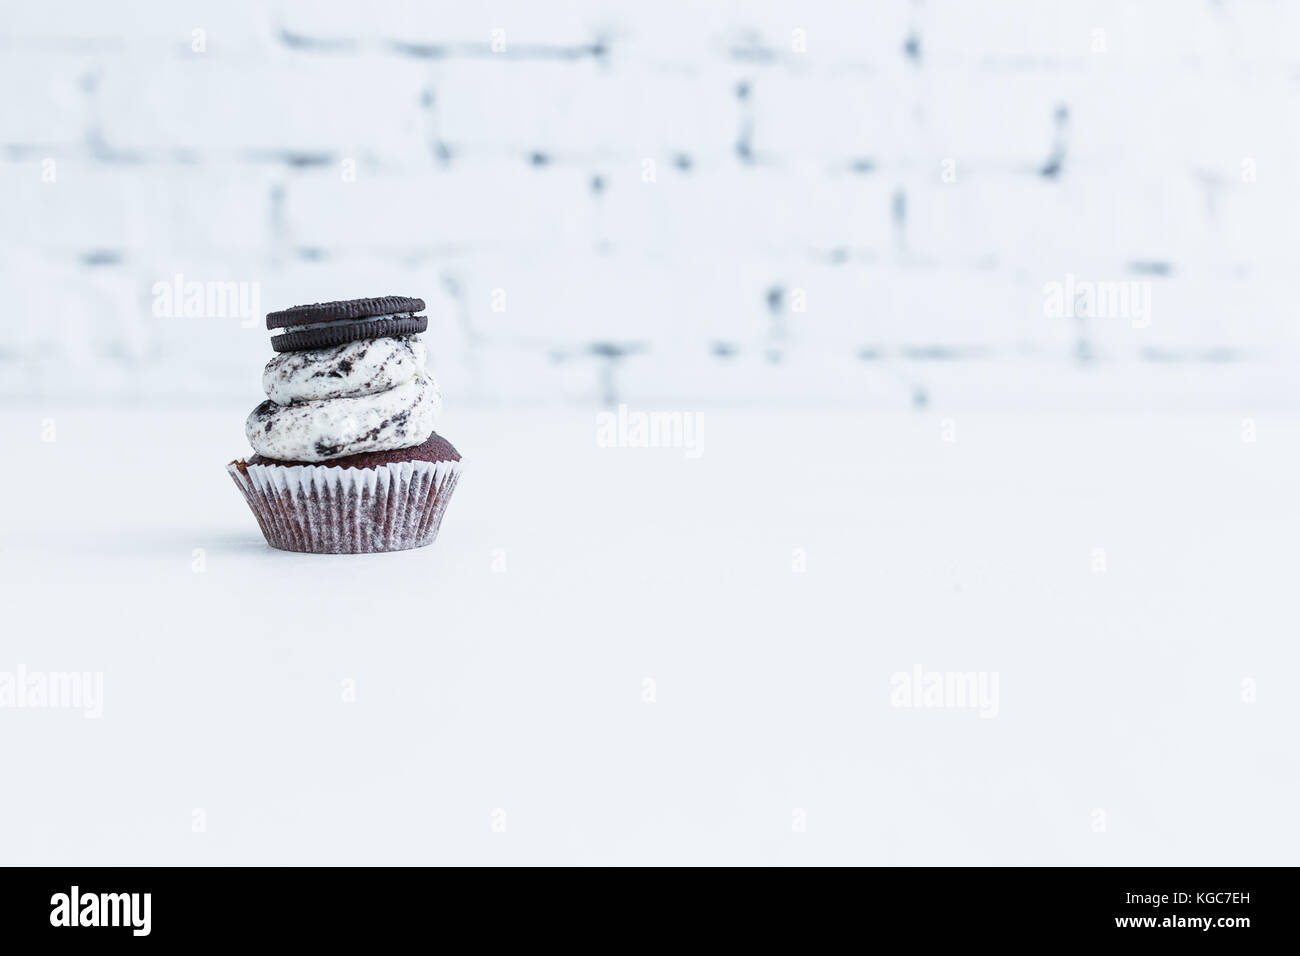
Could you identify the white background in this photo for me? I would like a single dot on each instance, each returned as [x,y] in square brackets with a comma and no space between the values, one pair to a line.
[838,265]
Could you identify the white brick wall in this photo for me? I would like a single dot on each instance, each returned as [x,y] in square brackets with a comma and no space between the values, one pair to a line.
[869,220]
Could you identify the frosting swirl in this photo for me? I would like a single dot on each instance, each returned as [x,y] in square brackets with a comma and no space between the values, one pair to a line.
[341,371]
[362,396]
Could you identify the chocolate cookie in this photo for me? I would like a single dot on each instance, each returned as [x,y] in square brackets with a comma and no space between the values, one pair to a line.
[326,324]
[345,309]
[349,332]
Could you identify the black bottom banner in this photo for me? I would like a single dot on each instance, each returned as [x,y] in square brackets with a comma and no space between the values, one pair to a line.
[985,906]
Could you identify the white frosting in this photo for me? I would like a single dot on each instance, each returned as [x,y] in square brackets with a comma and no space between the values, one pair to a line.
[342,371]
[318,431]
[369,395]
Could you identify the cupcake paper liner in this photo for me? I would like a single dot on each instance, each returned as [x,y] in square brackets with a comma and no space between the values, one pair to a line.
[331,510]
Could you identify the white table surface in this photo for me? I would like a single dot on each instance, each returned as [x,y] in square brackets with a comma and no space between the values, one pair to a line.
[515,697]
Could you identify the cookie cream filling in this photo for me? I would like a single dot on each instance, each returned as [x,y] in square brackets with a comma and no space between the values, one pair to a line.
[400,417]
[342,371]
[335,322]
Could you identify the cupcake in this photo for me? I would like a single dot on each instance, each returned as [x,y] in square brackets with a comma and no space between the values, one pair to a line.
[346,459]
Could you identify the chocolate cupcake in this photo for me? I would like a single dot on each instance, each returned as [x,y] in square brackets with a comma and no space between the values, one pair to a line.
[346,458]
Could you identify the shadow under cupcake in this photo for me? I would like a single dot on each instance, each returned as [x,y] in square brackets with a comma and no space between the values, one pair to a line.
[346,459]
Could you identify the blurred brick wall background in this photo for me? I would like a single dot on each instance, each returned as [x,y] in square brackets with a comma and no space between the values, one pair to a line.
[670,202]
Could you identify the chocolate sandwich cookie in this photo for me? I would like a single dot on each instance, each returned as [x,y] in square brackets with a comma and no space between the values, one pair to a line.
[327,324]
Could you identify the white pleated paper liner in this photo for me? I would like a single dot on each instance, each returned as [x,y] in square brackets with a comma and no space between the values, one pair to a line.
[331,510]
